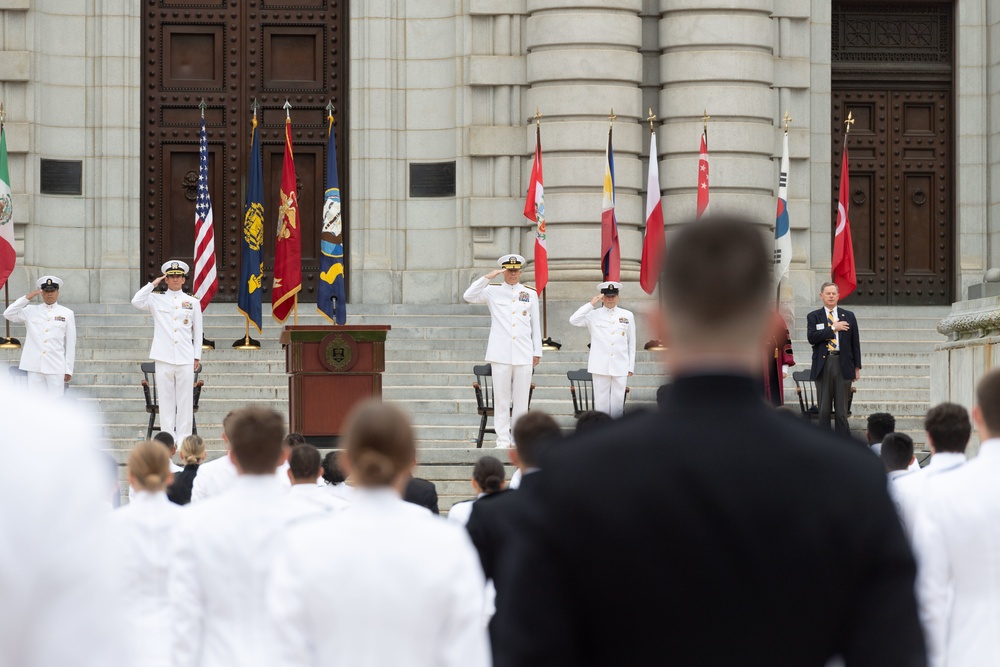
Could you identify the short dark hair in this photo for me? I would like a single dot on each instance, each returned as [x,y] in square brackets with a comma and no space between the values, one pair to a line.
[531,433]
[880,424]
[949,427]
[489,474]
[165,438]
[255,437]
[716,281]
[304,462]
[294,440]
[988,399]
[590,420]
[897,451]
[331,469]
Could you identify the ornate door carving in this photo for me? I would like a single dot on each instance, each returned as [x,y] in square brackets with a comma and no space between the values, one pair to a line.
[892,72]
[229,51]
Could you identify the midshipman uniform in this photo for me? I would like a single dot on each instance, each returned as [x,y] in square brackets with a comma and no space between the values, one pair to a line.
[612,349]
[515,339]
[50,345]
[176,349]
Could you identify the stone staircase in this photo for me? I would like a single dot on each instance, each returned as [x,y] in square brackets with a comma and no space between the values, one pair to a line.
[429,362]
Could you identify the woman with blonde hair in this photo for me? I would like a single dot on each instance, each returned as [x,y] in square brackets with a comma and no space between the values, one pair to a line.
[409,585]
[142,532]
[192,455]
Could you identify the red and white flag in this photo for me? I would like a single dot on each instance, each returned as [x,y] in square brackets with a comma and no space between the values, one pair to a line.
[534,210]
[653,245]
[843,249]
[206,281]
[703,175]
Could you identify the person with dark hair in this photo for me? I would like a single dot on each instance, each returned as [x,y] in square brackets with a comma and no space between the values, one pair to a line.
[896,454]
[223,550]
[336,481]
[768,523]
[948,429]
[409,590]
[294,440]
[422,492]
[591,420]
[488,476]
[168,441]
[291,441]
[142,532]
[880,424]
[955,539]
[304,469]
[836,362]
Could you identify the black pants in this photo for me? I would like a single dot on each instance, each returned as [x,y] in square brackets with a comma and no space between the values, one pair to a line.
[833,391]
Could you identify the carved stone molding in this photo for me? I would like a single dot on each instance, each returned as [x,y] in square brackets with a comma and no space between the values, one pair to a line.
[971,325]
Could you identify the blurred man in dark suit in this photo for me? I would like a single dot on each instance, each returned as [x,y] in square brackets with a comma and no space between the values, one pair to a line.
[422,492]
[723,533]
[836,363]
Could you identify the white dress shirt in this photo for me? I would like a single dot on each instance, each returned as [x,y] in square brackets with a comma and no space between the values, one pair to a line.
[142,533]
[909,490]
[314,500]
[177,332]
[222,554]
[343,490]
[612,339]
[405,589]
[213,478]
[516,330]
[50,343]
[957,544]
[460,512]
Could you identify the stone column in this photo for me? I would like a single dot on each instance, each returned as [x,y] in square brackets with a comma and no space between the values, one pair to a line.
[583,59]
[15,93]
[718,56]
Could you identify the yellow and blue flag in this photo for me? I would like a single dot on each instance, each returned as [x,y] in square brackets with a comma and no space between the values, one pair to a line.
[331,299]
[252,266]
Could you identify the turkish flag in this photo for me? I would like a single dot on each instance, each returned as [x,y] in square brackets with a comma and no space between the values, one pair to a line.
[843,249]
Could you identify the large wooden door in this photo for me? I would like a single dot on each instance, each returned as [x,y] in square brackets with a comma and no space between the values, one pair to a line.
[892,71]
[228,52]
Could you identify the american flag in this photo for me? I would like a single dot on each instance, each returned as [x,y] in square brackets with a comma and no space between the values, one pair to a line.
[206,282]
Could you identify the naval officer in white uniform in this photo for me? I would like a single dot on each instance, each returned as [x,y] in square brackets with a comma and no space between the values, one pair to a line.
[176,349]
[50,345]
[515,344]
[612,347]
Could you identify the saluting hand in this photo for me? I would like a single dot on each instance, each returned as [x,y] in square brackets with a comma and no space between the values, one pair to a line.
[493,274]
[157,281]
[596,300]
[32,295]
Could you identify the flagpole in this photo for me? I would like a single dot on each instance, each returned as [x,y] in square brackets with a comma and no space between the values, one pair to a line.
[8,342]
[655,344]
[847,130]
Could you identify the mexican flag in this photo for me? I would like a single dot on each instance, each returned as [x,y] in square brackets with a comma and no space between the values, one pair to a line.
[7,255]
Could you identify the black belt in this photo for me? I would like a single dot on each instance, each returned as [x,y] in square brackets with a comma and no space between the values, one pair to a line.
[834,352]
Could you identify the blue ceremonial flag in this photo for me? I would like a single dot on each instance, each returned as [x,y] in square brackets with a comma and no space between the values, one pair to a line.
[331,300]
[252,266]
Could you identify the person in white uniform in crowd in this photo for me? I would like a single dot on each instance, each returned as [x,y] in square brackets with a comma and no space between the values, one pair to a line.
[612,347]
[223,551]
[488,477]
[958,551]
[407,587]
[304,469]
[142,533]
[948,429]
[515,344]
[177,338]
[50,344]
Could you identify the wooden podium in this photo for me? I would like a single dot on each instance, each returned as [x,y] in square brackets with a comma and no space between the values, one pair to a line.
[330,369]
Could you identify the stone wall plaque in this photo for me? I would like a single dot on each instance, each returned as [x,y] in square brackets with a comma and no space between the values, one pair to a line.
[432,179]
[61,177]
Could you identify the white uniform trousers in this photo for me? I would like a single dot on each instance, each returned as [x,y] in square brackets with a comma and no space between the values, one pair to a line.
[511,384]
[609,394]
[175,386]
[49,384]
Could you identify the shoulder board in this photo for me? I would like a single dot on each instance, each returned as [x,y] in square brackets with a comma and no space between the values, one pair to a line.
[529,287]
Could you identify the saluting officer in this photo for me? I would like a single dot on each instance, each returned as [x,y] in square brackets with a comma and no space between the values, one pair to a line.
[50,345]
[515,345]
[176,349]
[612,347]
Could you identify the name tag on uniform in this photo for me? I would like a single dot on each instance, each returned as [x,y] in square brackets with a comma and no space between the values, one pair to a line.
[187,305]
[60,318]
[623,320]
[524,297]
[820,327]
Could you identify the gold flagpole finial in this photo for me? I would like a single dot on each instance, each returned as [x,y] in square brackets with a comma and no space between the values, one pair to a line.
[788,121]
[2,114]
[288,109]
[704,120]
[848,122]
[202,106]
[651,117]
[537,117]
[254,105]
[612,117]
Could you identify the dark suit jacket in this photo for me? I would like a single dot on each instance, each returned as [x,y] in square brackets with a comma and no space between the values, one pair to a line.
[422,492]
[714,532]
[850,342]
[180,490]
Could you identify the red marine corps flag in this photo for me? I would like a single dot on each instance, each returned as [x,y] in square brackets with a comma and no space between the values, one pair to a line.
[288,246]
[843,249]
